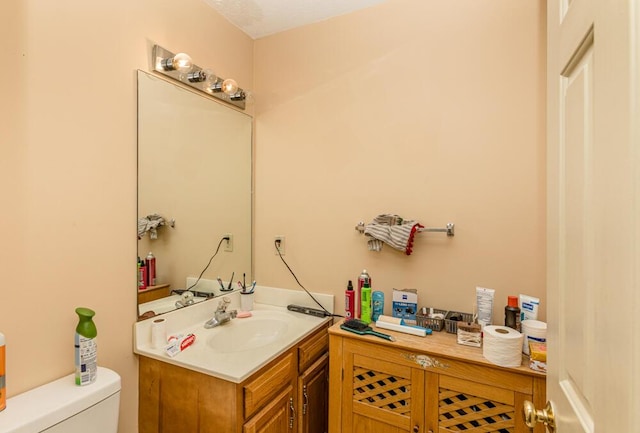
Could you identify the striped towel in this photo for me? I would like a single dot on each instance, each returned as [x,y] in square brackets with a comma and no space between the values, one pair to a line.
[150,224]
[393,230]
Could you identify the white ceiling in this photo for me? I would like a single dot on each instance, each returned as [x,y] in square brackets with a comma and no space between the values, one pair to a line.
[259,18]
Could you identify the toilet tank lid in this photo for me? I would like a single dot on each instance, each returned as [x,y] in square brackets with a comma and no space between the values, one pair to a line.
[53,402]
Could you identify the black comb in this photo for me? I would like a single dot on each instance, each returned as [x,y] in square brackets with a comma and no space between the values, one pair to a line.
[359,327]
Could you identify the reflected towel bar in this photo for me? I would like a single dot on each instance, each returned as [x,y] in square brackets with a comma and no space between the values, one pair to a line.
[449,229]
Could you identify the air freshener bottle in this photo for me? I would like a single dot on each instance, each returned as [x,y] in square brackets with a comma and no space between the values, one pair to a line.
[3,383]
[349,301]
[365,309]
[86,347]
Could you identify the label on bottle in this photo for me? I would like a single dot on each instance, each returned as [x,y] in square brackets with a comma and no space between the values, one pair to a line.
[349,304]
[365,312]
[151,270]
[512,318]
[142,278]
[86,352]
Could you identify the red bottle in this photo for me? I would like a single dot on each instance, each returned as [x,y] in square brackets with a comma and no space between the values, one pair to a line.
[151,269]
[349,301]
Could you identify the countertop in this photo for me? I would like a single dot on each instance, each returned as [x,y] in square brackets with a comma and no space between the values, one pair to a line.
[237,365]
[440,343]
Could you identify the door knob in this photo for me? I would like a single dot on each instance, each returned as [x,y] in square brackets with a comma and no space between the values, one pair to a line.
[545,416]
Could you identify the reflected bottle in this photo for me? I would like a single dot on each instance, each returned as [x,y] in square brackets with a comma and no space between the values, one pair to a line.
[151,269]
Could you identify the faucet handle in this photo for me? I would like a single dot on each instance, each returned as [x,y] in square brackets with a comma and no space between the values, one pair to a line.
[222,305]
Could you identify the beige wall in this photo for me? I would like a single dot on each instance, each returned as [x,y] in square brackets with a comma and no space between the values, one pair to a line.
[68,170]
[460,139]
[433,110]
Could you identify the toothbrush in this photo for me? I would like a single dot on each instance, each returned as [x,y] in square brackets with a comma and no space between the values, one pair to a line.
[230,281]
[221,284]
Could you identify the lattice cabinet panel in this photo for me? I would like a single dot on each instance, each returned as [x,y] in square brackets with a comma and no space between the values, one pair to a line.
[465,406]
[382,390]
[385,393]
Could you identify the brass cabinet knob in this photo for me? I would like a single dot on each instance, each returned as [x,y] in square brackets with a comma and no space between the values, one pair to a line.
[533,416]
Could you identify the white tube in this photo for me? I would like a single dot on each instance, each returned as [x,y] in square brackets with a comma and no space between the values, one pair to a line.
[529,307]
[484,299]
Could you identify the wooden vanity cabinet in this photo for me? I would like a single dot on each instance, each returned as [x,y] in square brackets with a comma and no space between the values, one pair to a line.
[313,397]
[277,417]
[175,399]
[153,293]
[424,385]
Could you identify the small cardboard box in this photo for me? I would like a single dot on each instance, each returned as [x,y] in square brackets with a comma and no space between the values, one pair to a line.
[469,334]
[405,305]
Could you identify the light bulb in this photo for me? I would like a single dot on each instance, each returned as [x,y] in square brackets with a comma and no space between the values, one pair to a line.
[249,98]
[229,86]
[209,80]
[182,62]
[210,77]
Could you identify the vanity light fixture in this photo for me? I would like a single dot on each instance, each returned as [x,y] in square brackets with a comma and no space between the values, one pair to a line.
[181,68]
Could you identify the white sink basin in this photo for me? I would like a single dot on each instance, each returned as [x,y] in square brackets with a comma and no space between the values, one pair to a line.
[247,334]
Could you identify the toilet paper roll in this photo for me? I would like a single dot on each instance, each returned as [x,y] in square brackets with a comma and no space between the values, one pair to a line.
[158,333]
[502,346]
[533,330]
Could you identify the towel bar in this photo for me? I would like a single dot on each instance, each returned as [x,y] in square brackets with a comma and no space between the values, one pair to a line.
[449,229]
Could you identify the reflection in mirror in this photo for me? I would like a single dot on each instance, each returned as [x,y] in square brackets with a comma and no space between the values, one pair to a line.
[194,168]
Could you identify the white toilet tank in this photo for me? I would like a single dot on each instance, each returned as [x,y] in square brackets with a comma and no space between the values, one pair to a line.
[62,406]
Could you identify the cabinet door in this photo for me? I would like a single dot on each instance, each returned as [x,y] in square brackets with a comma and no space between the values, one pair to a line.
[313,397]
[459,405]
[380,396]
[277,417]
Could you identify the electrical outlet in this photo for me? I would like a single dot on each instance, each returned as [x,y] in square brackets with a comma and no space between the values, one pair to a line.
[228,246]
[279,241]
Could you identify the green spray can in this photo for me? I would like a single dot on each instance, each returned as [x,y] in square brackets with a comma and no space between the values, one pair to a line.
[86,347]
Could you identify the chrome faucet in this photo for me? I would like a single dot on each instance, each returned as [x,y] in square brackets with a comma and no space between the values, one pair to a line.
[221,315]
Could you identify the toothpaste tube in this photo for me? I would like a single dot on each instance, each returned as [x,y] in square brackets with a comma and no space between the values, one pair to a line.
[179,345]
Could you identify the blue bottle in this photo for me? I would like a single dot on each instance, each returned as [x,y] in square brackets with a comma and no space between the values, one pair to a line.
[377,300]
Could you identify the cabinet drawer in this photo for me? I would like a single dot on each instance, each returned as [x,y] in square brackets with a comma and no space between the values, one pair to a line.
[262,389]
[310,350]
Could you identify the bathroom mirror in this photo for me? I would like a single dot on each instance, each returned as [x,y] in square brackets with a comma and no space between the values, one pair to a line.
[194,168]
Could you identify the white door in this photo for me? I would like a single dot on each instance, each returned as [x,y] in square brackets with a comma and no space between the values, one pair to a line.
[593,227]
